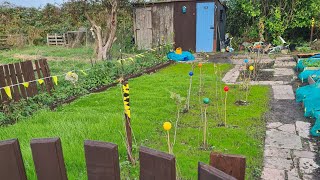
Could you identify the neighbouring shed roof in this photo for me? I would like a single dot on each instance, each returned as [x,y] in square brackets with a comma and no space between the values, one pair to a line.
[170,1]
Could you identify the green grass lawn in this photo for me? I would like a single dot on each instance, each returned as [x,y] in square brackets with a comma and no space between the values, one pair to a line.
[53,51]
[100,117]
[60,59]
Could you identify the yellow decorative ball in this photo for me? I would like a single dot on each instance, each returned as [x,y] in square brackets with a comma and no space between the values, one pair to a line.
[251,68]
[167,126]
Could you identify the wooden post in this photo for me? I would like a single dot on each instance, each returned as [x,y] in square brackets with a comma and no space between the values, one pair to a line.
[156,165]
[102,160]
[56,38]
[48,39]
[11,163]
[233,165]
[127,117]
[312,28]
[206,172]
[48,159]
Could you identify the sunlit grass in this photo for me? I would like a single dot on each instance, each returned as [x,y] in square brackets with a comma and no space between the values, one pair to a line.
[100,117]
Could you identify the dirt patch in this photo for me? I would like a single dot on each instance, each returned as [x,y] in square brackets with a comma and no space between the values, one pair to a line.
[220,58]
[259,75]
[285,111]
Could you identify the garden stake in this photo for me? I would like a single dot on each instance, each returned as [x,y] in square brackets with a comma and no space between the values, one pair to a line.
[245,80]
[127,116]
[200,89]
[226,89]
[167,126]
[200,78]
[251,68]
[189,92]
[206,101]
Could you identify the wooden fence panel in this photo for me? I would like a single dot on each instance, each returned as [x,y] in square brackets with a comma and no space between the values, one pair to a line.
[156,165]
[14,74]
[38,73]
[13,77]
[48,159]
[28,74]
[233,165]
[46,73]
[7,78]
[102,160]
[206,172]
[20,80]
[11,163]
[3,84]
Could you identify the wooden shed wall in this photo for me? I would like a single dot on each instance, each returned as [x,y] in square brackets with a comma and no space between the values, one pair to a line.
[162,24]
[143,27]
[153,25]
[185,25]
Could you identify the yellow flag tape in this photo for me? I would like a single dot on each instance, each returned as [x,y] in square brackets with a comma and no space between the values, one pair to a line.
[25,84]
[8,91]
[40,81]
[55,79]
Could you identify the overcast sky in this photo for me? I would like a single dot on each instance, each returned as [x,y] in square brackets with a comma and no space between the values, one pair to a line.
[33,3]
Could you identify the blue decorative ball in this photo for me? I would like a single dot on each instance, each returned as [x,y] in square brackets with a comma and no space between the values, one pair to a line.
[190,73]
[206,100]
[246,61]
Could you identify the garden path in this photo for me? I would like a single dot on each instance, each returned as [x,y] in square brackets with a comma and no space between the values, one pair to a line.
[289,152]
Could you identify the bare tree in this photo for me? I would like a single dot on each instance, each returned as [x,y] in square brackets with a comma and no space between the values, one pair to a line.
[103,19]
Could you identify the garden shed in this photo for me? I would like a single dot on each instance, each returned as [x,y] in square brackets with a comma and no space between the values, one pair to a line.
[193,25]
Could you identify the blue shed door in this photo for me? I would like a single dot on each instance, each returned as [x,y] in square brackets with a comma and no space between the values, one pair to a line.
[205,27]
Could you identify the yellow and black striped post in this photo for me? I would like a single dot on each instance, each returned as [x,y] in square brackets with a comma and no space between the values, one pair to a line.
[127,116]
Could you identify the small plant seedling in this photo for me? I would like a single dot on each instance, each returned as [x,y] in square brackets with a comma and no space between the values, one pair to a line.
[179,103]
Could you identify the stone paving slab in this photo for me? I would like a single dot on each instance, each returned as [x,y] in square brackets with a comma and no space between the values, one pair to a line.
[274,125]
[289,128]
[283,72]
[267,83]
[274,174]
[303,128]
[293,175]
[232,75]
[284,58]
[277,152]
[277,163]
[307,166]
[312,146]
[283,92]
[308,177]
[284,63]
[304,154]
[279,139]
